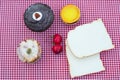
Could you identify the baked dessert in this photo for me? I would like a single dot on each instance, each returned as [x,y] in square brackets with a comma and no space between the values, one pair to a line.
[38,17]
[70,13]
[29,51]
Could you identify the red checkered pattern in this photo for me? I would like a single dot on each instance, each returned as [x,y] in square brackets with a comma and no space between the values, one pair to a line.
[50,66]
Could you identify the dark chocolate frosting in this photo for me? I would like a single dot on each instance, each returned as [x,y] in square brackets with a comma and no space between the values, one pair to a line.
[44,23]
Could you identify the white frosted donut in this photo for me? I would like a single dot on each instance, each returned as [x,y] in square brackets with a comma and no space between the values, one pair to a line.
[29,51]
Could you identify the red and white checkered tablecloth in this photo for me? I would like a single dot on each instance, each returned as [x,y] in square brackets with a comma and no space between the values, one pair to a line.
[50,66]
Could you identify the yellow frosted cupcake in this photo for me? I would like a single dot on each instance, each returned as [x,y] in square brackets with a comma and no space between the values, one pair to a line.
[70,13]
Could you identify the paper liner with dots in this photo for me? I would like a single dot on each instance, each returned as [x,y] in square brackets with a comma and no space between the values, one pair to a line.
[50,66]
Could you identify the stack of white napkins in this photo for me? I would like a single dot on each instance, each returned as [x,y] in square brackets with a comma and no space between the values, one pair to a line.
[83,47]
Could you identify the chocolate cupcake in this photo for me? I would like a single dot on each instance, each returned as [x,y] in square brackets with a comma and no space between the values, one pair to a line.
[38,17]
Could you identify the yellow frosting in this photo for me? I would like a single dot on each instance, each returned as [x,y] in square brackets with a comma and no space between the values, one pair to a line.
[70,13]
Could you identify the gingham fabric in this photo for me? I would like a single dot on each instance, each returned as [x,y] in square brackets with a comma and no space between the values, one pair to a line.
[51,66]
